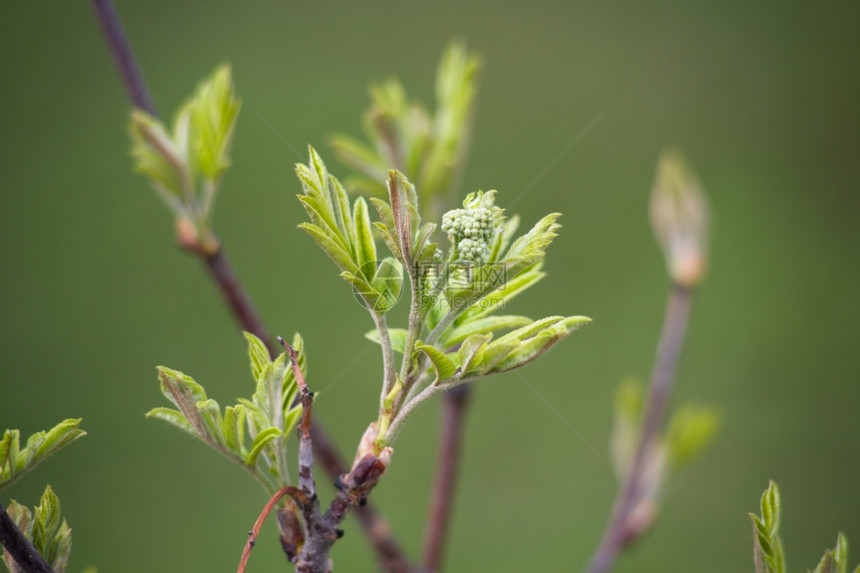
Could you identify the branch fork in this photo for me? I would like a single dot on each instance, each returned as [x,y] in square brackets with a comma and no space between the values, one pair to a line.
[308,542]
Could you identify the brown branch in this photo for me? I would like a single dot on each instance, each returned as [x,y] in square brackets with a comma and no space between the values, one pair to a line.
[377,530]
[123,55]
[321,531]
[234,294]
[306,454]
[454,407]
[620,531]
[19,547]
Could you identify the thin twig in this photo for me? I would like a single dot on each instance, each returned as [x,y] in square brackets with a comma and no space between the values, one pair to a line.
[454,406]
[306,455]
[123,56]
[19,547]
[234,295]
[618,532]
[409,407]
[375,527]
[258,525]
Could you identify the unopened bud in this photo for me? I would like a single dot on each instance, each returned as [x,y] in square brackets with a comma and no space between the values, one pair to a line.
[188,237]
[679,217]
[292,535]
[366,445]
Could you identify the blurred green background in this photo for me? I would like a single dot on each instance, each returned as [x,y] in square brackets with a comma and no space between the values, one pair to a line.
[762,98]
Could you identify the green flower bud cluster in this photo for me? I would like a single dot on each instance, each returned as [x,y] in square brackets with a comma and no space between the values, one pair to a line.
[472,230]
[473,251]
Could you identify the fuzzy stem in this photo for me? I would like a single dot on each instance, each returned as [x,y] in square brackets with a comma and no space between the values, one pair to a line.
[413,329]
[388,367]
[376,529]
[406,410]
[454,407]
[617,533]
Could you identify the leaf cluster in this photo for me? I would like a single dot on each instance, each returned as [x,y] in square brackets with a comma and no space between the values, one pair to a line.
[451,326]
[767,546]
[479,355]
[185,163]
[403,135]
[252,432]
[16,461]
[690,429]
[344,233]
[45,527]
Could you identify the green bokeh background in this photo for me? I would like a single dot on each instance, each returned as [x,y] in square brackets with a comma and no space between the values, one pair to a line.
[761,96]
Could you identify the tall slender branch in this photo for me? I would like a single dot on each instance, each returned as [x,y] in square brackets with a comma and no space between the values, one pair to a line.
[123,55]
[376,529]
[19,547]
[234,295]
[618,531]
[454,407]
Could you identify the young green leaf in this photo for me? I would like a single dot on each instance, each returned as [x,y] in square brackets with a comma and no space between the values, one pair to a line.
[234,428]
[361,158]
[767,545]
[258,354]
[469,350]
[690,429]
[345,234]
[341,257]
[156,155]
[834,560]
[430,149]
[9,446]
[184,393]
[397,336]
[271,413]
[210,411]
[485,325]
[486,358]
[404,209]
[531,247]
[445,368]
[15,461]
[213,109]
[628,404]
[196,414]
[501,296]
[51,535]
[173,417]
[185,165]
[260,441]
[535,339]
[363,236]
[58,436]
